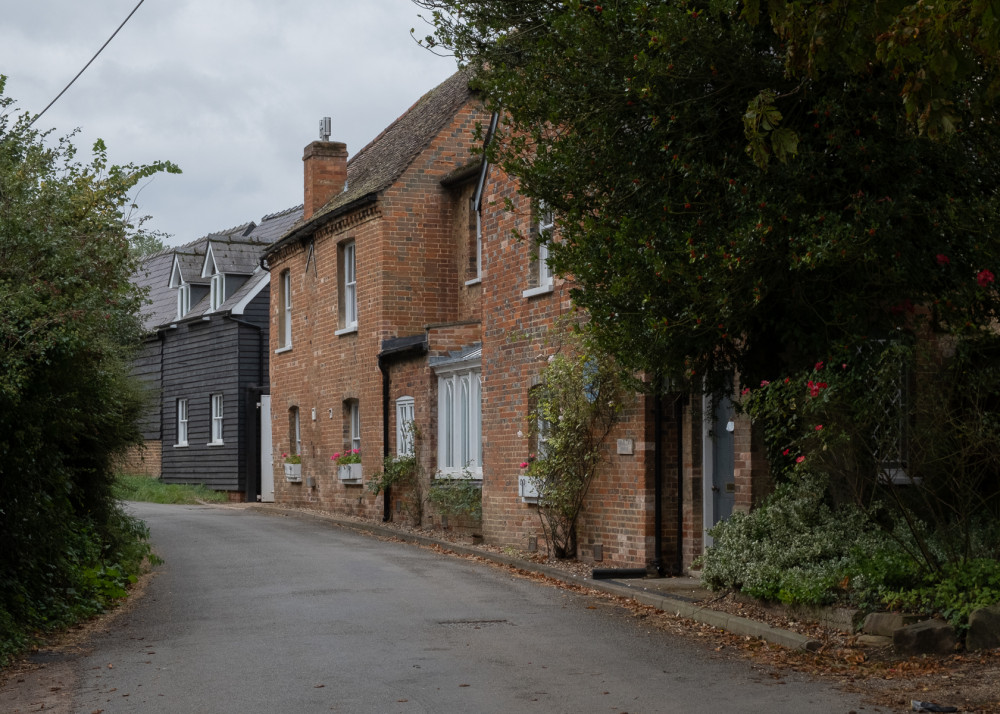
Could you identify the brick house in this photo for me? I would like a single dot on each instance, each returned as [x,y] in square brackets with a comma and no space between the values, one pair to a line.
[204,358]
[403,298]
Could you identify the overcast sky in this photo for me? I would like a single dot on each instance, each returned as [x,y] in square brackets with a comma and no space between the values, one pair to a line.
[230,90]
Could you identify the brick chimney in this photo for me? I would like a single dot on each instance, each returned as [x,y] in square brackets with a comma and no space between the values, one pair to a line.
[325,169]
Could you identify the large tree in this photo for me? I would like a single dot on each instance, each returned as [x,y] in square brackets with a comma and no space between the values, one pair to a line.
[765,187]
[68,319]
[727,199]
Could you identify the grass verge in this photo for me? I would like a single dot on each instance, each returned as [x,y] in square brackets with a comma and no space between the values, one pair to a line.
[129,487]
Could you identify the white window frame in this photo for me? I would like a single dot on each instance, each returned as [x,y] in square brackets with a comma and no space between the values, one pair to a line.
[546,224]
[218,413]
[405,417]
[542,277]
[217,287]
[297,431]
[349,287]
[183,300]
[355,425]
[460,438]
[182,422]
[286,307]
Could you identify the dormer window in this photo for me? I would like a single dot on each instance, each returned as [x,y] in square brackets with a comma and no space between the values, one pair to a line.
[218,290]
[183,300]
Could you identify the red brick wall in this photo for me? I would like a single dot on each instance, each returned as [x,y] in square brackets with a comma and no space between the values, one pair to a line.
[143,460]
[408,277]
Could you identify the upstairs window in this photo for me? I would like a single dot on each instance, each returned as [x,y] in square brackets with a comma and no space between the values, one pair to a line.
[348,288]
[183,301]
[546,224]
[285,307]
[540,276]
[217,288]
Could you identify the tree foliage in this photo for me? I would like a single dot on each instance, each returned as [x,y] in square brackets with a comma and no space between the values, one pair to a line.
[759,187]
[634,120]
[68,407]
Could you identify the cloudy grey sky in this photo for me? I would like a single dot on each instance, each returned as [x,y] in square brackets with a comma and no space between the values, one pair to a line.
[230,90]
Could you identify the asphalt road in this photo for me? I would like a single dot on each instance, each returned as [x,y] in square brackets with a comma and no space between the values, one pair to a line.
[257,613]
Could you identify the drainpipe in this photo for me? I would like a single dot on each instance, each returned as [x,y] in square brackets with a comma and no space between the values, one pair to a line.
[678,419]
[658,481]
[386,493]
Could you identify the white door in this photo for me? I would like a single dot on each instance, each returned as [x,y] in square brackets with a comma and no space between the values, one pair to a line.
[266,451]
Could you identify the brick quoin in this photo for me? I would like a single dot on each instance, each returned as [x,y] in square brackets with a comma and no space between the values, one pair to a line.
[419,282]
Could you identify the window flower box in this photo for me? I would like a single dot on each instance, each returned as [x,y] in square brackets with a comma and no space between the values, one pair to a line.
[293,473]
[349,473]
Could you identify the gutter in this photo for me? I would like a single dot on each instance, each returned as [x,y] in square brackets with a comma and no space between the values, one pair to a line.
[394,349]
[317,222]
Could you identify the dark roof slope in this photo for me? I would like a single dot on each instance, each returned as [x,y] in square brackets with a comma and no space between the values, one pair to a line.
[386,157]
[236,250]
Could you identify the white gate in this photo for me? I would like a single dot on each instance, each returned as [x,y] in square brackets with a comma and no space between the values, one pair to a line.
[266,451]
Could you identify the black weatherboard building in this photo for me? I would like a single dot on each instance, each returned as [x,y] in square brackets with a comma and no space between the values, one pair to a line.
[205,359]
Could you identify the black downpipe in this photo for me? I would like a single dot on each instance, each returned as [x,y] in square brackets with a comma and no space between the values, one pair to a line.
[252,486]
[658,481]
[387,492]
[655,568]
[678,418]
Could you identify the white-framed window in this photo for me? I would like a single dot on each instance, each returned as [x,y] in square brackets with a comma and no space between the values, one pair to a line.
[404,426]
[217,288]
[285,303]
[348,288]
[546,224]
[182,422]
[216,419]
[355,425]
[542,429]
[183,300]
[295,431]
[460,423]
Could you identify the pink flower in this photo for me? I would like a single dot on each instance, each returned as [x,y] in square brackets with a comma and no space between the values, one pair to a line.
[746,391]
[984,278]
[337,455]
[799,459]
[333,457]
[819,366]
[524,464]
[284,456]
[819,427]
[764,383]
[942,259]
[785,452]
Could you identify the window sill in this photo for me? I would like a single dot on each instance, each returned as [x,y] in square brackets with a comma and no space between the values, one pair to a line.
[181,446]
[467,475]
[474,281]
[280,350]
[535,292]
[216,443]
[346,330]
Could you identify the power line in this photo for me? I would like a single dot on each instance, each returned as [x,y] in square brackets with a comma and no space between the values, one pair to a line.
[88,63]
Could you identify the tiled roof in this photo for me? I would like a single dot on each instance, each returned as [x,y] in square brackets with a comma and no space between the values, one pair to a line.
[190,261]
[236,250]
[154,275]
[376,166]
